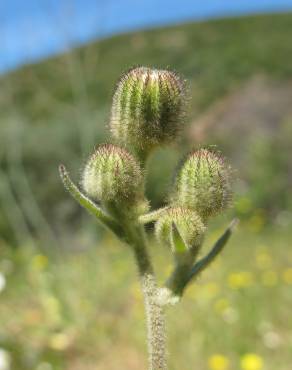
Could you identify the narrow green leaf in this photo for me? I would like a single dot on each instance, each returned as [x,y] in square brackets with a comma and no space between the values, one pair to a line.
[177,241]
[217,248]
[151,216]
[85,202]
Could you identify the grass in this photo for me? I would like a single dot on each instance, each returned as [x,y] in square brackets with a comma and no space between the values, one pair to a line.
[84,309]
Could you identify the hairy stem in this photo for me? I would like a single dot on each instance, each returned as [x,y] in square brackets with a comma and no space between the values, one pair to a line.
[154,312]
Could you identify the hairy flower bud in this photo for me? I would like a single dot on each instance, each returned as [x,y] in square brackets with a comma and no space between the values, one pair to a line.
[188,223]
[147,110]
[112,175]
[203,184]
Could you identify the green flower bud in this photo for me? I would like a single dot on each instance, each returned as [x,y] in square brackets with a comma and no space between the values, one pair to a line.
[187,222]
[112,175]
[147,110]
[203,184]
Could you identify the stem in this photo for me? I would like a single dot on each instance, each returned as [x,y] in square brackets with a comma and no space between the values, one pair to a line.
[184,259]
[154,312]
[179,278]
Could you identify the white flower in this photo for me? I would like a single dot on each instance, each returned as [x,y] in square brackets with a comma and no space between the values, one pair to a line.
[2,285]
[4,359]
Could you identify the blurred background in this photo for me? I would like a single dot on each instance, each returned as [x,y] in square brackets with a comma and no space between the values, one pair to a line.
[69,296]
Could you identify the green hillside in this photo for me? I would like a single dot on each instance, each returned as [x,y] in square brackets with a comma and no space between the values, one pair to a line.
[214,56]
[57,110]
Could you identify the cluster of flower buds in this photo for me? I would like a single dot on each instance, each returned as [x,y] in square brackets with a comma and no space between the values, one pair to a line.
[147,111]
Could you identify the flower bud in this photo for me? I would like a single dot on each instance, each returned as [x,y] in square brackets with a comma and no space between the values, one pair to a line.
[203,184]
[147,110]
[112,175]
[188,223]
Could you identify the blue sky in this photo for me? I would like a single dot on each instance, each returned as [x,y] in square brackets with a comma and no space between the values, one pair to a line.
[34,29]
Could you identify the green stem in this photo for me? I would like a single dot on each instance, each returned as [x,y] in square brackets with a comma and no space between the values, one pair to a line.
[154,311]
[179,278]
[184,258]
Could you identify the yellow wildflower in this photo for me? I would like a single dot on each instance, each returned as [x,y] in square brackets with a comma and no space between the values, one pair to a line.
[287,276]
[251,361]
[39,262]
[242,279]
[218,362]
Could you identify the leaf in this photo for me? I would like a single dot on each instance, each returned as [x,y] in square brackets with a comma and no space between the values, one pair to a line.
[87,203]
[217,248]
[152,216]
[177,242]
